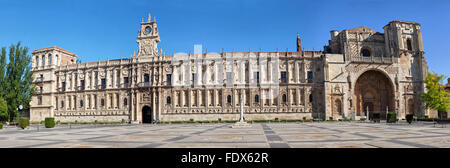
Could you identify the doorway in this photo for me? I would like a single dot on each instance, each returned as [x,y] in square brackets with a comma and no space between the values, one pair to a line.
[147,115]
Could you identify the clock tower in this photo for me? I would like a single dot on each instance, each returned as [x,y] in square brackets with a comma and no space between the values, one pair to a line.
[148,38]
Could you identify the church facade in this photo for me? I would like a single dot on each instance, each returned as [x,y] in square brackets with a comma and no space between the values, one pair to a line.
[359,71]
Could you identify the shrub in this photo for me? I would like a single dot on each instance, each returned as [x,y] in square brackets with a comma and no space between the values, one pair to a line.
[426,117]
[391,117]
[191,120]
[276,119]
[331,118]
[304,118]
[1,126]
[49,122]
[24,123]
[376,117]
[409,118]
[219,119]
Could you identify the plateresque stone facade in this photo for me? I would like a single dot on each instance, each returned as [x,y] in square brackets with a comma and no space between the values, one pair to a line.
[359,70]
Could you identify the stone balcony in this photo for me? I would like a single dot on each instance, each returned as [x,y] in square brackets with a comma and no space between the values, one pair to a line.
[144,84]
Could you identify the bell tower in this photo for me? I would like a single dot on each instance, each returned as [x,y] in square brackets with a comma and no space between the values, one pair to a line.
[148,38]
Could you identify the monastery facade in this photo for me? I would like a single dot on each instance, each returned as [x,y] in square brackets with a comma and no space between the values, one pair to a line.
[359,71]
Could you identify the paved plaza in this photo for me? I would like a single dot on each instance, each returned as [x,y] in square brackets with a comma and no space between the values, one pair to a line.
[260,135]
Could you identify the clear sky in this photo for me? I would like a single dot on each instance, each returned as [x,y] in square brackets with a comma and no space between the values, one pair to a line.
[101,29]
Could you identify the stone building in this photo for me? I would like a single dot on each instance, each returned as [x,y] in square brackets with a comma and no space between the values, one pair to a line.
[359,70]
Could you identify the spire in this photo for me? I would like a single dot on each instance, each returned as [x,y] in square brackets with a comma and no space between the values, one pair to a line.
[149,18]
[299,43]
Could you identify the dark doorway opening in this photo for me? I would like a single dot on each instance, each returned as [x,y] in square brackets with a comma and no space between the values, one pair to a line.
[147,116]
[368,106]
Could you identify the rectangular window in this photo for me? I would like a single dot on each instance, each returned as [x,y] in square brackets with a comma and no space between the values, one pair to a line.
[146,78]
[81,103]
[169,79]
[125,80]
[82,84]
[63,87]
[310,76]
[103,83]
[256,76]
[102,102]
[194,77]
[230,78]
[39,100]
[283,77]
[96,78]
[62,103]
[118,78]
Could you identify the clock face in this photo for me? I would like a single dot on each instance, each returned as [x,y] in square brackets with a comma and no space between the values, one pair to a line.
[148,29]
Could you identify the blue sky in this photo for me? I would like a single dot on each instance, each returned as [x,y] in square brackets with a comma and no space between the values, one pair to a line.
[101,29]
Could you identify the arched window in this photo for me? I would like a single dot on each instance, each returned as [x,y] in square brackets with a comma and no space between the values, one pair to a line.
[229,99]
[168,100]
[102,102]
[365,52]
[37,61]
[284,98]
[125,102]
[409,44]
[256,98]
[43,60]
[49,59]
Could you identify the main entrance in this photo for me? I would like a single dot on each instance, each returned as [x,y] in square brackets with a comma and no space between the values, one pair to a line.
[374,93]
[147,115]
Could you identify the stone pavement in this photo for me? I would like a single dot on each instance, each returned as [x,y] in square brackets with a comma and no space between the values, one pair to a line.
[260,135]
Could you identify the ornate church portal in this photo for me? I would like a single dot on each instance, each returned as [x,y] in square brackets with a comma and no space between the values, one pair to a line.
[374,93]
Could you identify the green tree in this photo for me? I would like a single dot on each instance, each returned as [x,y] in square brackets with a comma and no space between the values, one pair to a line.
[2,71]
[3,110]
[436,97]
[17,80]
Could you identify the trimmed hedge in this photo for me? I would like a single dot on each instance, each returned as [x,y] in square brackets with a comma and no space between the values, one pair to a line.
[49,122]
[391,117]
[409,118]
[432,119]
[24,123]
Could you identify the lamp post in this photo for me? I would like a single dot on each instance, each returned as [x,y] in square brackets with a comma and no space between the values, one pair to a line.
[19,109]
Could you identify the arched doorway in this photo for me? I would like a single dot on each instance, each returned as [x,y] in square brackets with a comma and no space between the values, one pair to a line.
[147,115]
[374,92]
